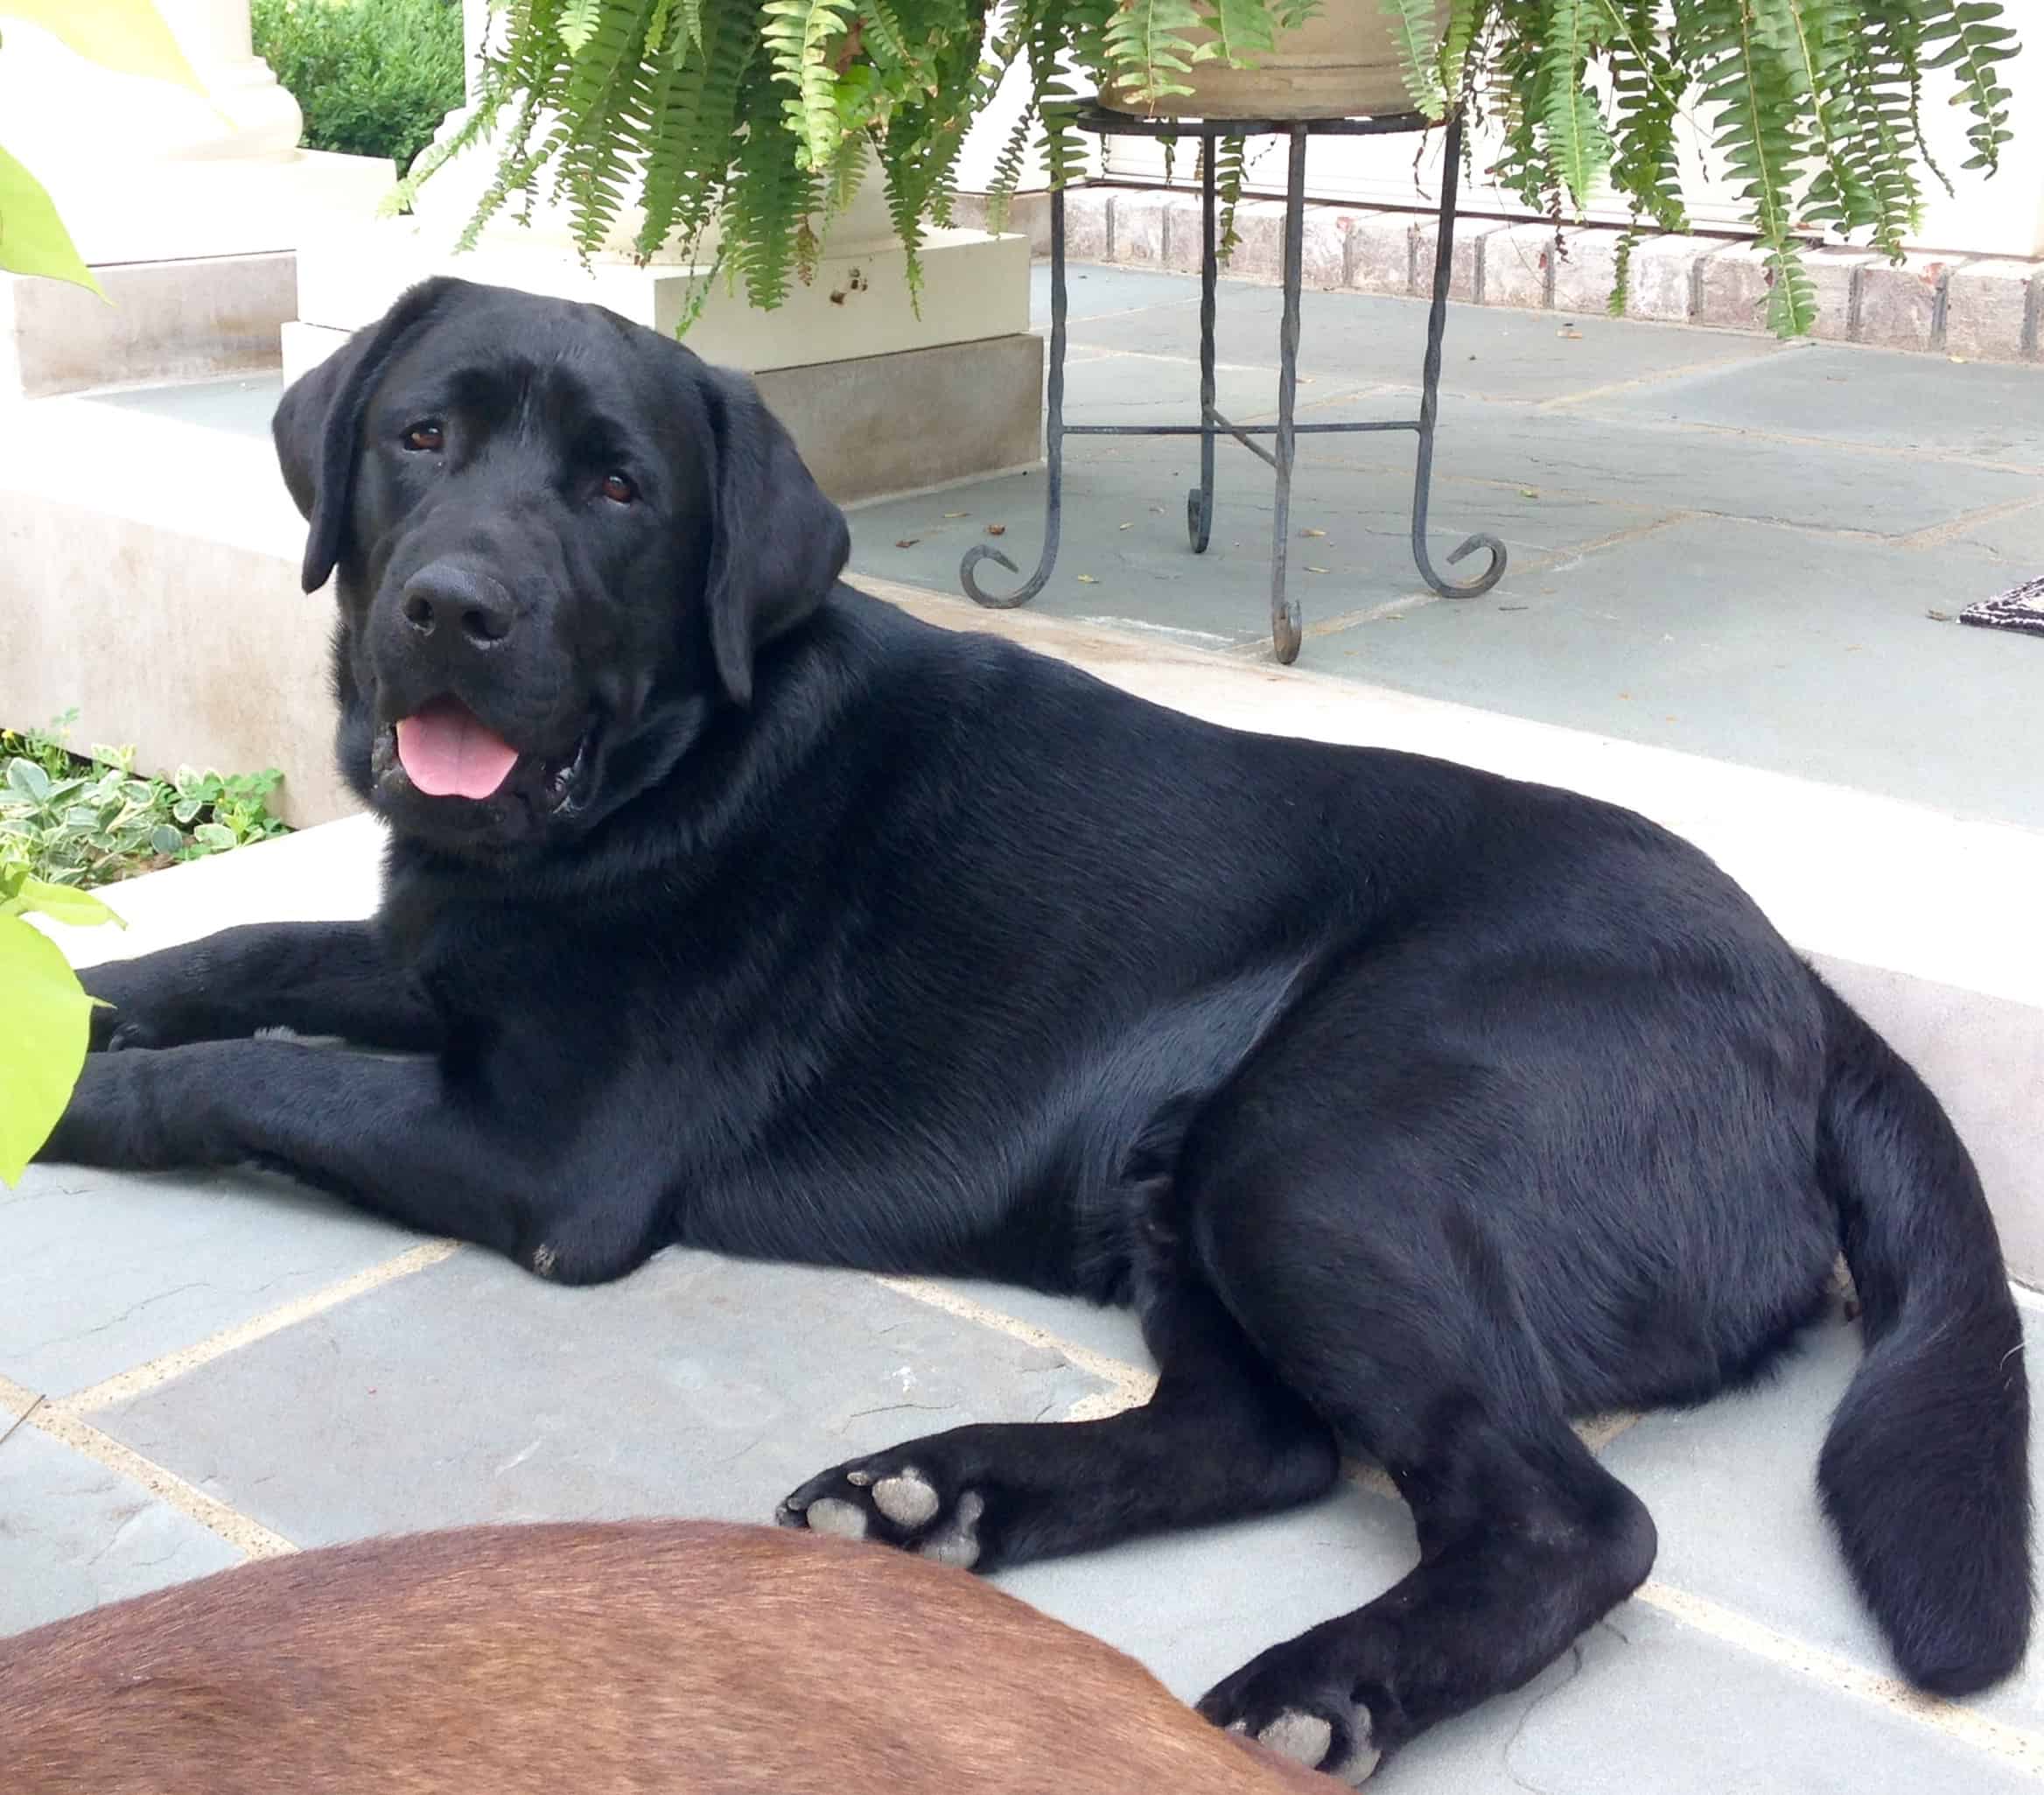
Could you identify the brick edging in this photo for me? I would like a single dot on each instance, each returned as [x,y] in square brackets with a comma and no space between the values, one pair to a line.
[1976,308]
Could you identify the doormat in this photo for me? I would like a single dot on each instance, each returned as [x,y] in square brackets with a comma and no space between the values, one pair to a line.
[2020,608]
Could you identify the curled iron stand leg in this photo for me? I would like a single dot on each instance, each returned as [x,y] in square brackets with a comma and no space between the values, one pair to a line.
[1443,260]
[1200,501]
[1285,627]
[1053,447]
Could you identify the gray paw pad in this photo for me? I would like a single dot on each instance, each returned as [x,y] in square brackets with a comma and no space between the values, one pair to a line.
[905,1499]
[829,1515]
[957,1541]
[1304,1737]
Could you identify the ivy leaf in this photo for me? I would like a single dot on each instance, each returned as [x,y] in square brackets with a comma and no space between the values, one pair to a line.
[42,1049]
[28,779]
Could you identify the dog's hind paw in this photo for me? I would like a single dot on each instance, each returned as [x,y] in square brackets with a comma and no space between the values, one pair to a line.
[1332,1735]
[898,1504]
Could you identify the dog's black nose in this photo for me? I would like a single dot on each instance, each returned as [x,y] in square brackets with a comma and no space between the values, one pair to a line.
[453,599]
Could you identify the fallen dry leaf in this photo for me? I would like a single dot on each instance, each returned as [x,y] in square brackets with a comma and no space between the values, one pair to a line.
[957,513]
[1125,526]
[1312,532]
[908,541]
[1315,570]
[1527,492]
[1087,579]
[997,529]
[1939,616]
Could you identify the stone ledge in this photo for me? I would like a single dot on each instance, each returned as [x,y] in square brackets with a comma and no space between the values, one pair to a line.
[1977,308]
[205,316]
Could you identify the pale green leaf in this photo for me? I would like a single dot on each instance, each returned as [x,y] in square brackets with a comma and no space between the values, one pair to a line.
[61,903]
[32,237]
[43,1047]
[128,35]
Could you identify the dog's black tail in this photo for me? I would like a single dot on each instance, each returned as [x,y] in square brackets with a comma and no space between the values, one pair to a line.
[1925,1472]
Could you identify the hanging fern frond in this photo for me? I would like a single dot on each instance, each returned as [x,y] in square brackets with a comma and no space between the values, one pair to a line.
[1007,174]
[800,36]
[1452,64]
[762,117]
[1151,45]
[1760,134]
[1230,167]
[1647,95]
[1578,145]
[1420,54]
[609,91]
[1968,37]
[1243,29]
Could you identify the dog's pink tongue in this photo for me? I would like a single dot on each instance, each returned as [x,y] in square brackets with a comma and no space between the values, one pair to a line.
[449,754]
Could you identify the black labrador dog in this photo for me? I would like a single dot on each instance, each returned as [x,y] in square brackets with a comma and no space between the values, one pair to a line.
[1415,1109]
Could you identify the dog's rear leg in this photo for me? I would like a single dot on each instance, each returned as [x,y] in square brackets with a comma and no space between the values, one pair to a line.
[1221,1439]
[1404,1333]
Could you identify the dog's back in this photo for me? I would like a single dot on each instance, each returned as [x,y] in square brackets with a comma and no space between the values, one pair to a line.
[670,1656]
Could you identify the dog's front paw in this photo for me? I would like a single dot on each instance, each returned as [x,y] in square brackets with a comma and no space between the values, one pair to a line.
[902,1497]
[1296,1700]
[110,1119]
[138,1007]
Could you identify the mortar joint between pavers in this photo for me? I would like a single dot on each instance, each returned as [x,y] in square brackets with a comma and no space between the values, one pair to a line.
[1940,303]
[1696,277]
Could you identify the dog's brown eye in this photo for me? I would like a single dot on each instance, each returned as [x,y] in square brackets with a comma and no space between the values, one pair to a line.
[618,489]
[426,437]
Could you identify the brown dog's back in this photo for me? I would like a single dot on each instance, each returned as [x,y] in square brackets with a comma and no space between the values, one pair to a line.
[574,1659]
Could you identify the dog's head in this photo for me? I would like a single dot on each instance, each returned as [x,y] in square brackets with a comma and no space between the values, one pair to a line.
[561,539]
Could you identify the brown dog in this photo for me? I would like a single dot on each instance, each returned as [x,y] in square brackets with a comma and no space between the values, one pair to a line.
[578,1659]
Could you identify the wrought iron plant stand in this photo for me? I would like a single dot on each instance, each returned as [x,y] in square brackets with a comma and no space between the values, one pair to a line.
[1285,613]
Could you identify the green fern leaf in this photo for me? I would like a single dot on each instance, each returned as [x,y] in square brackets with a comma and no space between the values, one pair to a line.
[800,37]
[578,23]
[1151,45]
[1419,61]
[1970,39]
[1241,30]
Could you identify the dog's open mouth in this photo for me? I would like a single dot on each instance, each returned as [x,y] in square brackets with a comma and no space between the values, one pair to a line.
[448,754]
[446,751]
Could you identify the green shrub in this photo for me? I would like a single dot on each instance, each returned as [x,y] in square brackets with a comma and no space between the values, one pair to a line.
[72,822]
[372,77]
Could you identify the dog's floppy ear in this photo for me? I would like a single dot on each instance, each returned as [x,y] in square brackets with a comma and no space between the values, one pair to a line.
[318,422]
[779,544]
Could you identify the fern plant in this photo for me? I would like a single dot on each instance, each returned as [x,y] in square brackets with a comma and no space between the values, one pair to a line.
[760,117]
[1817,107]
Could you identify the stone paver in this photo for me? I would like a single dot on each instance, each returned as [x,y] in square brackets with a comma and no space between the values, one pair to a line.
[699,1385]
[1683,615]
[1685,509]
[1723,1478]
[172,1261]
[74,1534]
[1857,396]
